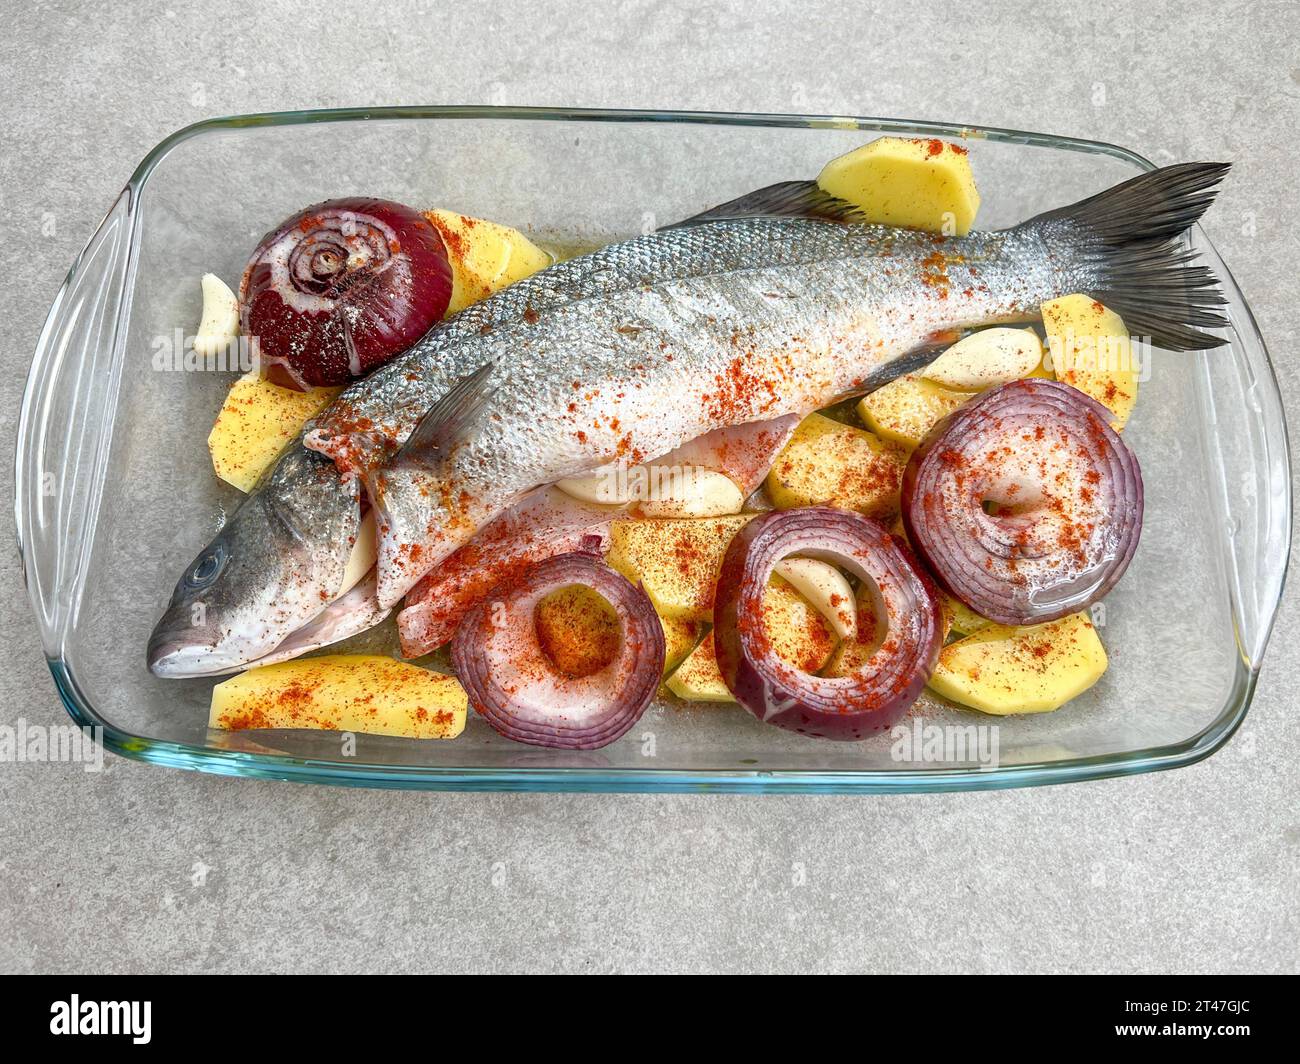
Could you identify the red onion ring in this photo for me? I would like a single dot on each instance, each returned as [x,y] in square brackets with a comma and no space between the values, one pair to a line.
[1066,494]
[512,683]
[873,696]
[538,528]
[341,287]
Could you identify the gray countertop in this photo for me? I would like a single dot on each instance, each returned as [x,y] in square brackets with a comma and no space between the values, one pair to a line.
[144,868]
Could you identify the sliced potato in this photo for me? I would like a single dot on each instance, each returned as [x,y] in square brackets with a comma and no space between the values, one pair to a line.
[676,561]
[342,692]
[1002,670]
[905,410]
[797,632]
[830,463]
[1091,350]
[680,638]
[697,679]
[485,256]
[917,184]
[965,621]
[256,421]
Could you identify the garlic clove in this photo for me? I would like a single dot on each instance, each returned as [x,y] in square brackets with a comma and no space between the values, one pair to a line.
[704,493]
[362,558]
[826,590]
[659,491]
[603,486]
[987,358]
[219,324]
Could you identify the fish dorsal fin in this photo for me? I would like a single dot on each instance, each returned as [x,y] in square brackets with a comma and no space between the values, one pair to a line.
[785,199]
[443,423]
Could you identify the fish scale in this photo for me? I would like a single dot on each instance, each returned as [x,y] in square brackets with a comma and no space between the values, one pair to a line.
[365,426]
[633,350]
[689,341]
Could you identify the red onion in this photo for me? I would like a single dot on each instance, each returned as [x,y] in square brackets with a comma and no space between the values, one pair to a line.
[538,528]
[875,694]
[342,287]
[512,682]
[1025,503]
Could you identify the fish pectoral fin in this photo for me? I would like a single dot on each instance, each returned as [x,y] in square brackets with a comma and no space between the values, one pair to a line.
[447,419]
[356,611]
[785,199]
[913,361]
[417,525]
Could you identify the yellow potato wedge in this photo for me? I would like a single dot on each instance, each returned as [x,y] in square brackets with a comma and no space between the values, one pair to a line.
[676,561]
[1091,350]
[965,621]
[905,410]
[680,638]
[255,423]
[830,463]
[342,692]
[1037,669]
[485,256]
[915,184]
[798,634]
[697,679]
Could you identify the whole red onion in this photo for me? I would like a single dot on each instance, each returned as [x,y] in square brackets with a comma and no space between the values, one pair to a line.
[907,626]
[341,287]
[513,683]
[1025,503]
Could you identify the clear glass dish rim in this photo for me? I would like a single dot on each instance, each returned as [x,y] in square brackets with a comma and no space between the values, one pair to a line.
[811,781]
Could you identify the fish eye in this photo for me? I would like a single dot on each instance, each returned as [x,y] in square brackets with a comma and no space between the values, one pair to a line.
[206,568]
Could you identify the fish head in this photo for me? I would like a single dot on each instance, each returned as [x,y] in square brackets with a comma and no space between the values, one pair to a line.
[266,577]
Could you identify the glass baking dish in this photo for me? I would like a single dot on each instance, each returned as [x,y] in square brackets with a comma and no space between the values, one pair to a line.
[114,492]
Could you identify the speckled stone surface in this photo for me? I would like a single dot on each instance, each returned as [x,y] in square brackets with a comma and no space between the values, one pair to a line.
[142,868]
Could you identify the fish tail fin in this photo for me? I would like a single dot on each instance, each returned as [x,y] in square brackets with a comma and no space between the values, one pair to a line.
[1128,250]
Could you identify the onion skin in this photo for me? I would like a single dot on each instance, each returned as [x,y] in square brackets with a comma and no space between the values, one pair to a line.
[871,698]
[514,686]
[342,287]
[538,528]
[1069,493]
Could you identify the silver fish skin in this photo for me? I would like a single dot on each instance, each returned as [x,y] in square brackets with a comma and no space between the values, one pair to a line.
[268,576]
[630,352]
[657,341]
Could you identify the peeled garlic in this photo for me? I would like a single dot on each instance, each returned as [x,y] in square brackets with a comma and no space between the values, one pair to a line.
[987,358]
[826,590]
[220,322]
[362,558]
[604,486]
[659,491]
[704,494]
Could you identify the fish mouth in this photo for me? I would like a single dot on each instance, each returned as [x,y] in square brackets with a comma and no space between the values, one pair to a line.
[181,657]
[173,659]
